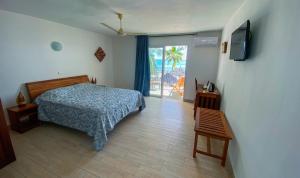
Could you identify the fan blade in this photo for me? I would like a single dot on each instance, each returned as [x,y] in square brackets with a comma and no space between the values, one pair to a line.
[111,28]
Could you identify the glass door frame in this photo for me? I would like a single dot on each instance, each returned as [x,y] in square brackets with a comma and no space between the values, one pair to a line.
[162,71]
[163,47]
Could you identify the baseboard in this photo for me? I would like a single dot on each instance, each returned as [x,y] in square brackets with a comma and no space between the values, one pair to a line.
[188,101]
[228,167]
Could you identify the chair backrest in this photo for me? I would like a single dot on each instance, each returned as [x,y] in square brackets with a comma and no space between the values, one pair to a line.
[181,81]
[210,102]
[196,84]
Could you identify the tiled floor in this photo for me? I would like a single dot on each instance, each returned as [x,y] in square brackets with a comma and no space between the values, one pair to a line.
[154,143]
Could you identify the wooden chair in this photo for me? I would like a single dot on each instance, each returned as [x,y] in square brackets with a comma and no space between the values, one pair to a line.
[178,86]
[204,99]
[210,101]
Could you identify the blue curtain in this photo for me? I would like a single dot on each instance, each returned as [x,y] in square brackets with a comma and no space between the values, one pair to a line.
[142,66]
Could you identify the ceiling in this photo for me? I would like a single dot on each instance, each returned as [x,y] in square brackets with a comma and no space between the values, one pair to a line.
[143,16]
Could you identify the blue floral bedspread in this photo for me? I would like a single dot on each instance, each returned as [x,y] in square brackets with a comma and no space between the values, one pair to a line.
[90,108]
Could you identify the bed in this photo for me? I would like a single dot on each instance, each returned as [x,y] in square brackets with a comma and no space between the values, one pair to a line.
[74,102]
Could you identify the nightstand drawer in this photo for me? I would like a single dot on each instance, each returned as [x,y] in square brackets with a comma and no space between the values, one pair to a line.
[26,113]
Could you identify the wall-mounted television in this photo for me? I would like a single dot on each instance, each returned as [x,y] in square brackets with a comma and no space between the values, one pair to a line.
[240,38]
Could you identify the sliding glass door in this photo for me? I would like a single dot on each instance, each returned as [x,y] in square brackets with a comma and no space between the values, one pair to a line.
[156,70]
[167,65]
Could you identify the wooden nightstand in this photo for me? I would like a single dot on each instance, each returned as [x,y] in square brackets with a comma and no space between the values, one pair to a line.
[23,118]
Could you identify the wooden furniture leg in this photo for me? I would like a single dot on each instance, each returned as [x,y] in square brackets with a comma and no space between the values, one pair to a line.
[195,145]
[196,103]
[225,149]
[208,144]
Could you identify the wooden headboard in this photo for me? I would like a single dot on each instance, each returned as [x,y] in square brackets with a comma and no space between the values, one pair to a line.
[39,87]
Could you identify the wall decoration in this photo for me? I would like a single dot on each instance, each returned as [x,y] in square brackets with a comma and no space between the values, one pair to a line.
[20,100]
[224,47]
[56,46]
[100,54]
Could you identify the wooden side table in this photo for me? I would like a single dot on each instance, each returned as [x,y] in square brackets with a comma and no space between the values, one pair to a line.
[7,154]
[212,124]
[23,118]
[205,99]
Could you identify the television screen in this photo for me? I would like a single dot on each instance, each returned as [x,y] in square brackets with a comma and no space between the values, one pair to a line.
[239,50]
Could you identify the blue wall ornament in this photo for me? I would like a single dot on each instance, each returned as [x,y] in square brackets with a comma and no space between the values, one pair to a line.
[56,46]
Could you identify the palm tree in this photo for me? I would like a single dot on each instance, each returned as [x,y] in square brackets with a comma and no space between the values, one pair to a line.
[174,54]
[152,63]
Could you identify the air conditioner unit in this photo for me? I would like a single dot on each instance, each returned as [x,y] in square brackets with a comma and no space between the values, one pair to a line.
[200,41]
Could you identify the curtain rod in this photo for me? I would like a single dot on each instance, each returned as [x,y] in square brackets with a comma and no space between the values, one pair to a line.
[169,35]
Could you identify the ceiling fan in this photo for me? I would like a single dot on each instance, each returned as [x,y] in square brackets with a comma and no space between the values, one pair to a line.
[120,31]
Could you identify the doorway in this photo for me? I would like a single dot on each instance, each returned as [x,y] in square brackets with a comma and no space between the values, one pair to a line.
[167,68]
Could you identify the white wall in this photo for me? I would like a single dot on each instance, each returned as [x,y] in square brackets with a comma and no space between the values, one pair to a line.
[124,49]
[202,62]
[261,95]
[26,55]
